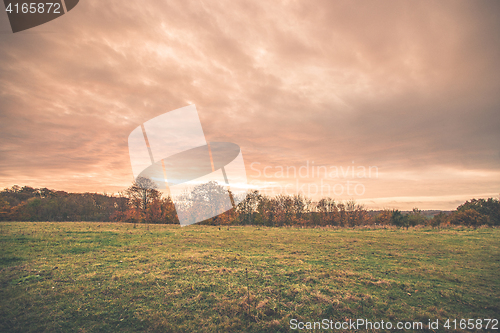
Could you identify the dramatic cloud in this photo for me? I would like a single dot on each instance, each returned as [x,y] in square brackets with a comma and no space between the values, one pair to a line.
[411,88]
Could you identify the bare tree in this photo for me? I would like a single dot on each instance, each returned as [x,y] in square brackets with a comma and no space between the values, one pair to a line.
[142,193]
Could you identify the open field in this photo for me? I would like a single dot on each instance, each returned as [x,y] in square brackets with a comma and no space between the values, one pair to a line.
[112,277]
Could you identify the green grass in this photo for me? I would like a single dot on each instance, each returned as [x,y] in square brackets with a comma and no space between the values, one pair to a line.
[111,277]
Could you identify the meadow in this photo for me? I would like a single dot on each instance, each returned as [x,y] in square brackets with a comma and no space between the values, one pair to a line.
[114,277]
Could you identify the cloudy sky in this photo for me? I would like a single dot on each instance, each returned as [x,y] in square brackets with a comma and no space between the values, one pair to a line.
[411,88]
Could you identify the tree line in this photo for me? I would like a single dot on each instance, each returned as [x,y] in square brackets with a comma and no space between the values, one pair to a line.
[143,203]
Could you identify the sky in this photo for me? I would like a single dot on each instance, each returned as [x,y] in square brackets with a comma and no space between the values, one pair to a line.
[407,90]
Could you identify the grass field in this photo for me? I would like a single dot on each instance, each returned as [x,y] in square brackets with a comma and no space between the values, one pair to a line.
[112,277]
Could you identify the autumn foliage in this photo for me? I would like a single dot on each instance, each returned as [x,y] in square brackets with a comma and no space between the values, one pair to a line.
[143,203]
